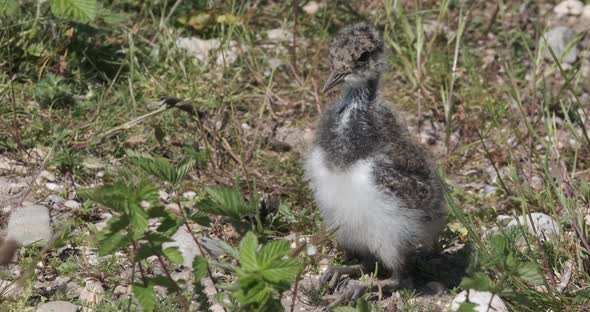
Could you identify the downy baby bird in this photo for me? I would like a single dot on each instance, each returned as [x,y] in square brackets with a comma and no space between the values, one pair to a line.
[372,182]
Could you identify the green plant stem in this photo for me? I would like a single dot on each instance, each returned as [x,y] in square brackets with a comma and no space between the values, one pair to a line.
[201,250]
[181,298]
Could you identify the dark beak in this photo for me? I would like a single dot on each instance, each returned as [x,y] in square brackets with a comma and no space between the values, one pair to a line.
[334,79]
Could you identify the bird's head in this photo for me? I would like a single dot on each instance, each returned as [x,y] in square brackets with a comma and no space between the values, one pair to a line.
[356,55]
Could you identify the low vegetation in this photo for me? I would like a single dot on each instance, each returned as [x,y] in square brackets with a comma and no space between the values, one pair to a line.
[153,138]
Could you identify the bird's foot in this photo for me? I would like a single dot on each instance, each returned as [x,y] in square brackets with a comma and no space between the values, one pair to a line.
[333,274]
[355,289]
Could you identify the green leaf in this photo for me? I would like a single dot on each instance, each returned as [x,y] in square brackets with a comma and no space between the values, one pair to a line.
[282,271]
[200,218]
[79,10]
[146,250]
[138,218]
[112,196]
[111,238]
[168,227]
[174,255]
[227,201]
[200,266]
[530,272]
[479,281]
[183,169]
[111,243]
[163,281]
[363,305]
[145,296]
[8,7]
[467,307]
[345,309]
[273,250]
[248,247]
[157,166]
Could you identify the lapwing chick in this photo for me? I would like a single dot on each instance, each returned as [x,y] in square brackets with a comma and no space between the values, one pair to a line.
[372,182]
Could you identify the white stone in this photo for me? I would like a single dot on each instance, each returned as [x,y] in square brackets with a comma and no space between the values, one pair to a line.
[569,7]
[544,225]
[29,224]
[47,176]
[504,219]
[72,204]
[10,289]
[55,199]
[279,35]
[227,55]
[558,39]
[197,47]
[54,187]
[484,301]
[120,290]
[186,245]
[201,49]
[189,194]
[163,195]
[92,293]
[586,12]
[174,207]
[312,7]
[93,163]
[57,306]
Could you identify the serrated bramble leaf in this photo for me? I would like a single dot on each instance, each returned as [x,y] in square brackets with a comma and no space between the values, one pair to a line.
[531,273]
[479,281]
[183,169]
[174,255]
[146,250]
[227,201]
[112,196]
[113,242]
[255,293]
[200,218]
[145,296]
[79,10]
[163,281]
[138,218]
[168,227]
[248,247]
[467,307]
[273,250]
[200,266]
[363,305]
[282,271]
[157,166]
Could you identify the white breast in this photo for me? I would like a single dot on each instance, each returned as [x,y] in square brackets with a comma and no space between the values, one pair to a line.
[366,219]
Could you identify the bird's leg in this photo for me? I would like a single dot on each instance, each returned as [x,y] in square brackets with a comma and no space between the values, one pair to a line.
[333,274]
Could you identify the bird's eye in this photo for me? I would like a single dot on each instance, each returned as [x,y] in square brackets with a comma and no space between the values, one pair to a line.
[364,57]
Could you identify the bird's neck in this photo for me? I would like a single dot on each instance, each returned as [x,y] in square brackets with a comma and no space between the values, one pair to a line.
[360,91]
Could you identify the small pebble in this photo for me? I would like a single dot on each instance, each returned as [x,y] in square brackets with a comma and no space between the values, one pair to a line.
[72,204]
[54,187]
[484,301]
[569,7]
[57,306]
[189,194]
[47,176]
[55,199]
[544,225]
